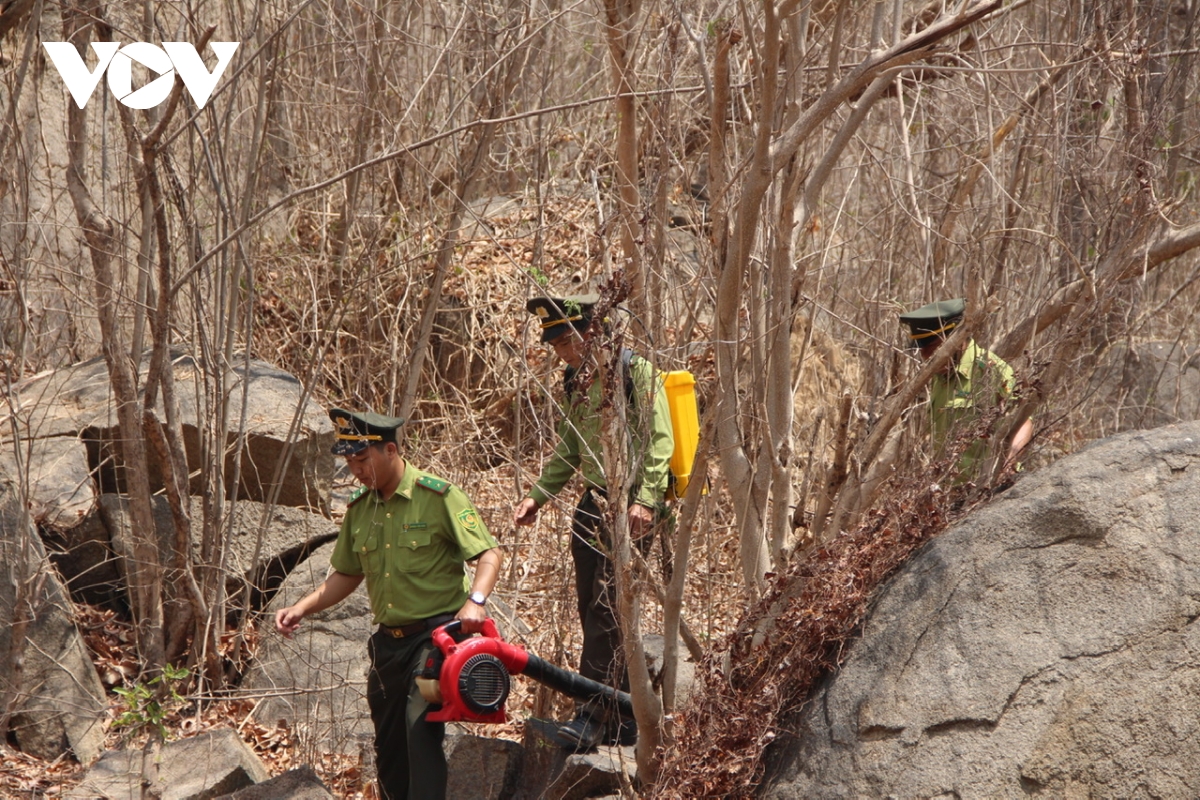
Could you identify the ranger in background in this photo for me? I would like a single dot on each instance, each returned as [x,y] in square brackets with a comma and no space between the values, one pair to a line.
[972,380]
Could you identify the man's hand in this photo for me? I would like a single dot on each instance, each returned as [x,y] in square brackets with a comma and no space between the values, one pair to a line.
[526,512]
[333,590]
[472,615]
[287,620]
[641,521]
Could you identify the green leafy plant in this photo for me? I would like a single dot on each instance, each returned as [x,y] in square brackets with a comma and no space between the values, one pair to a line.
[142,705]
[538,276]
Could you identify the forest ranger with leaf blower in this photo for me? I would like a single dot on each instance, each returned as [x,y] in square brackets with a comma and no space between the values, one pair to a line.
[409,534]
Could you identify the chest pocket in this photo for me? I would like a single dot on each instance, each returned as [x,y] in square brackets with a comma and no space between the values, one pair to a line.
[367,547]
[417,550]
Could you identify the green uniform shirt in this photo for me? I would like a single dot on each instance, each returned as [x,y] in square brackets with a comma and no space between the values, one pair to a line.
[651,441]
[411,547]
[980,380]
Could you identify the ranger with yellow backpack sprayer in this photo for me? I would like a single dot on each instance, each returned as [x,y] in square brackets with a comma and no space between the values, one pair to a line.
[664,429]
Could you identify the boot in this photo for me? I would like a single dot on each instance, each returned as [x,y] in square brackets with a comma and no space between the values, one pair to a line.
[582,734]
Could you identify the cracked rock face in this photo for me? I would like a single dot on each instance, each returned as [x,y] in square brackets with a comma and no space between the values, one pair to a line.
[1046,646]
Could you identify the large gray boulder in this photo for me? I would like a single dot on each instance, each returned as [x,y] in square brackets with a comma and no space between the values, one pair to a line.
[75,404]
[59,483]
[1048,646]
[316,682]
[1146,385]
[480,767]
[257,532]
[260,542]
[211,764]
[301,783]
[56,697]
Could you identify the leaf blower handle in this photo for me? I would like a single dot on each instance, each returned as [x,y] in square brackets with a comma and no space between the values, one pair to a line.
[452,632]
[575,685]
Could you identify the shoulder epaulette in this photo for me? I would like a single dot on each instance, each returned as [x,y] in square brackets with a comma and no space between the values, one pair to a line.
[359,494]
[433,484]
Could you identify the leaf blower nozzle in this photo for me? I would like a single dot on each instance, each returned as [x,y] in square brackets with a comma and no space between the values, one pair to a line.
[470,676]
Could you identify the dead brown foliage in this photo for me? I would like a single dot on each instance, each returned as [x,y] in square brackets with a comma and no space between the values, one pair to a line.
[110,642]
[751,690]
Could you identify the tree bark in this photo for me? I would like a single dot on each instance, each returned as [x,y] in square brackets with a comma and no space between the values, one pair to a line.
[144,572]
[620,17]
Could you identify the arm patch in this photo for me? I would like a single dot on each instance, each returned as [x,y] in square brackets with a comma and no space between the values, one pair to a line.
[469,520]
[433,484]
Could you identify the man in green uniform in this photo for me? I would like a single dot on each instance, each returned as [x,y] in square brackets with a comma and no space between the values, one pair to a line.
[409,535]
[579,449]
[972,380]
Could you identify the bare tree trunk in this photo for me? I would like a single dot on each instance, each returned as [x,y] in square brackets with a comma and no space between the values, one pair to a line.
[144,570]
[673,601]
[718,129]
[735,461]
[620,18]
[235,317]
[647,707]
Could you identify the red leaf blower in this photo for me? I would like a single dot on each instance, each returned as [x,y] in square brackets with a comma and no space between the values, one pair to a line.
[471,677]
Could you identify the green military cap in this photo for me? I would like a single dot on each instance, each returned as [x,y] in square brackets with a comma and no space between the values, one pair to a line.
[559,314]
[355,431]
[934,319]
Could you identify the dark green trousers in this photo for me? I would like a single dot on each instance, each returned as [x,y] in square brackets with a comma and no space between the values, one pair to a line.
[603,657]
[408,749]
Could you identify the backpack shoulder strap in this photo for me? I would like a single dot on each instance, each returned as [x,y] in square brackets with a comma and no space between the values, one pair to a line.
[627,371]
[569,381]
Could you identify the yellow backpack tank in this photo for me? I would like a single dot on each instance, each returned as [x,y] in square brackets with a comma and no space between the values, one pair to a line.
[680,387]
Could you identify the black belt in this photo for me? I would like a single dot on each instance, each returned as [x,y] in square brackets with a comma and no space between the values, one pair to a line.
[413,628]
